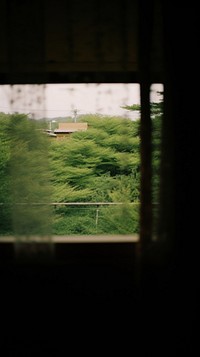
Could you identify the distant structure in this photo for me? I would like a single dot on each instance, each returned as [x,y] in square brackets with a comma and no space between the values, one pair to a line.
[66,129]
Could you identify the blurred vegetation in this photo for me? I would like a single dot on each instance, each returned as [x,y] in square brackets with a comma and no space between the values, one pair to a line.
[25,178]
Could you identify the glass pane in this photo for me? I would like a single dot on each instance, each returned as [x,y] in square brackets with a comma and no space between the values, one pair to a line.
[71,162]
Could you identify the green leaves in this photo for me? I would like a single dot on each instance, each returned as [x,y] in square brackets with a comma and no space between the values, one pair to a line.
[101,164]
[106,148]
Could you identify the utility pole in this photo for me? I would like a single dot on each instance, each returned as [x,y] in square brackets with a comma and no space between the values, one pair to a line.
[75,114]
[50,124]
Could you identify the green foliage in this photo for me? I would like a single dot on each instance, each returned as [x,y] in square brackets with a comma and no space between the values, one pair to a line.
[28,189]
[5,208]
[101,164]
[75,221]
[123,219]
[132,107]
[78,162]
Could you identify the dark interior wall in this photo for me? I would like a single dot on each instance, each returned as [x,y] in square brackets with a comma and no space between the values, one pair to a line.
[45,41]
[181,27]
[75,41]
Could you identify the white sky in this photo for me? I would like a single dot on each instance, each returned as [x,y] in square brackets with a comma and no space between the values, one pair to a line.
[60,100]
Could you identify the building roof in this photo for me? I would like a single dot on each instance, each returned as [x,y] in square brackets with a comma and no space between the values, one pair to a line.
[67,128]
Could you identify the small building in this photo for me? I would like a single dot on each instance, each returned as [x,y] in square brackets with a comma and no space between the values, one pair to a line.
[66,129]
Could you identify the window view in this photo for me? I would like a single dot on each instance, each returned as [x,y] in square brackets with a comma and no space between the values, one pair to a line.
[70,159]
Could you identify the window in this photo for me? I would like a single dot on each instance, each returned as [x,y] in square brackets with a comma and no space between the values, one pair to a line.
[94,189]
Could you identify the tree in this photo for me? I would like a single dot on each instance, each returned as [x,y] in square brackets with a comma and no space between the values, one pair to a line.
[100,164]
